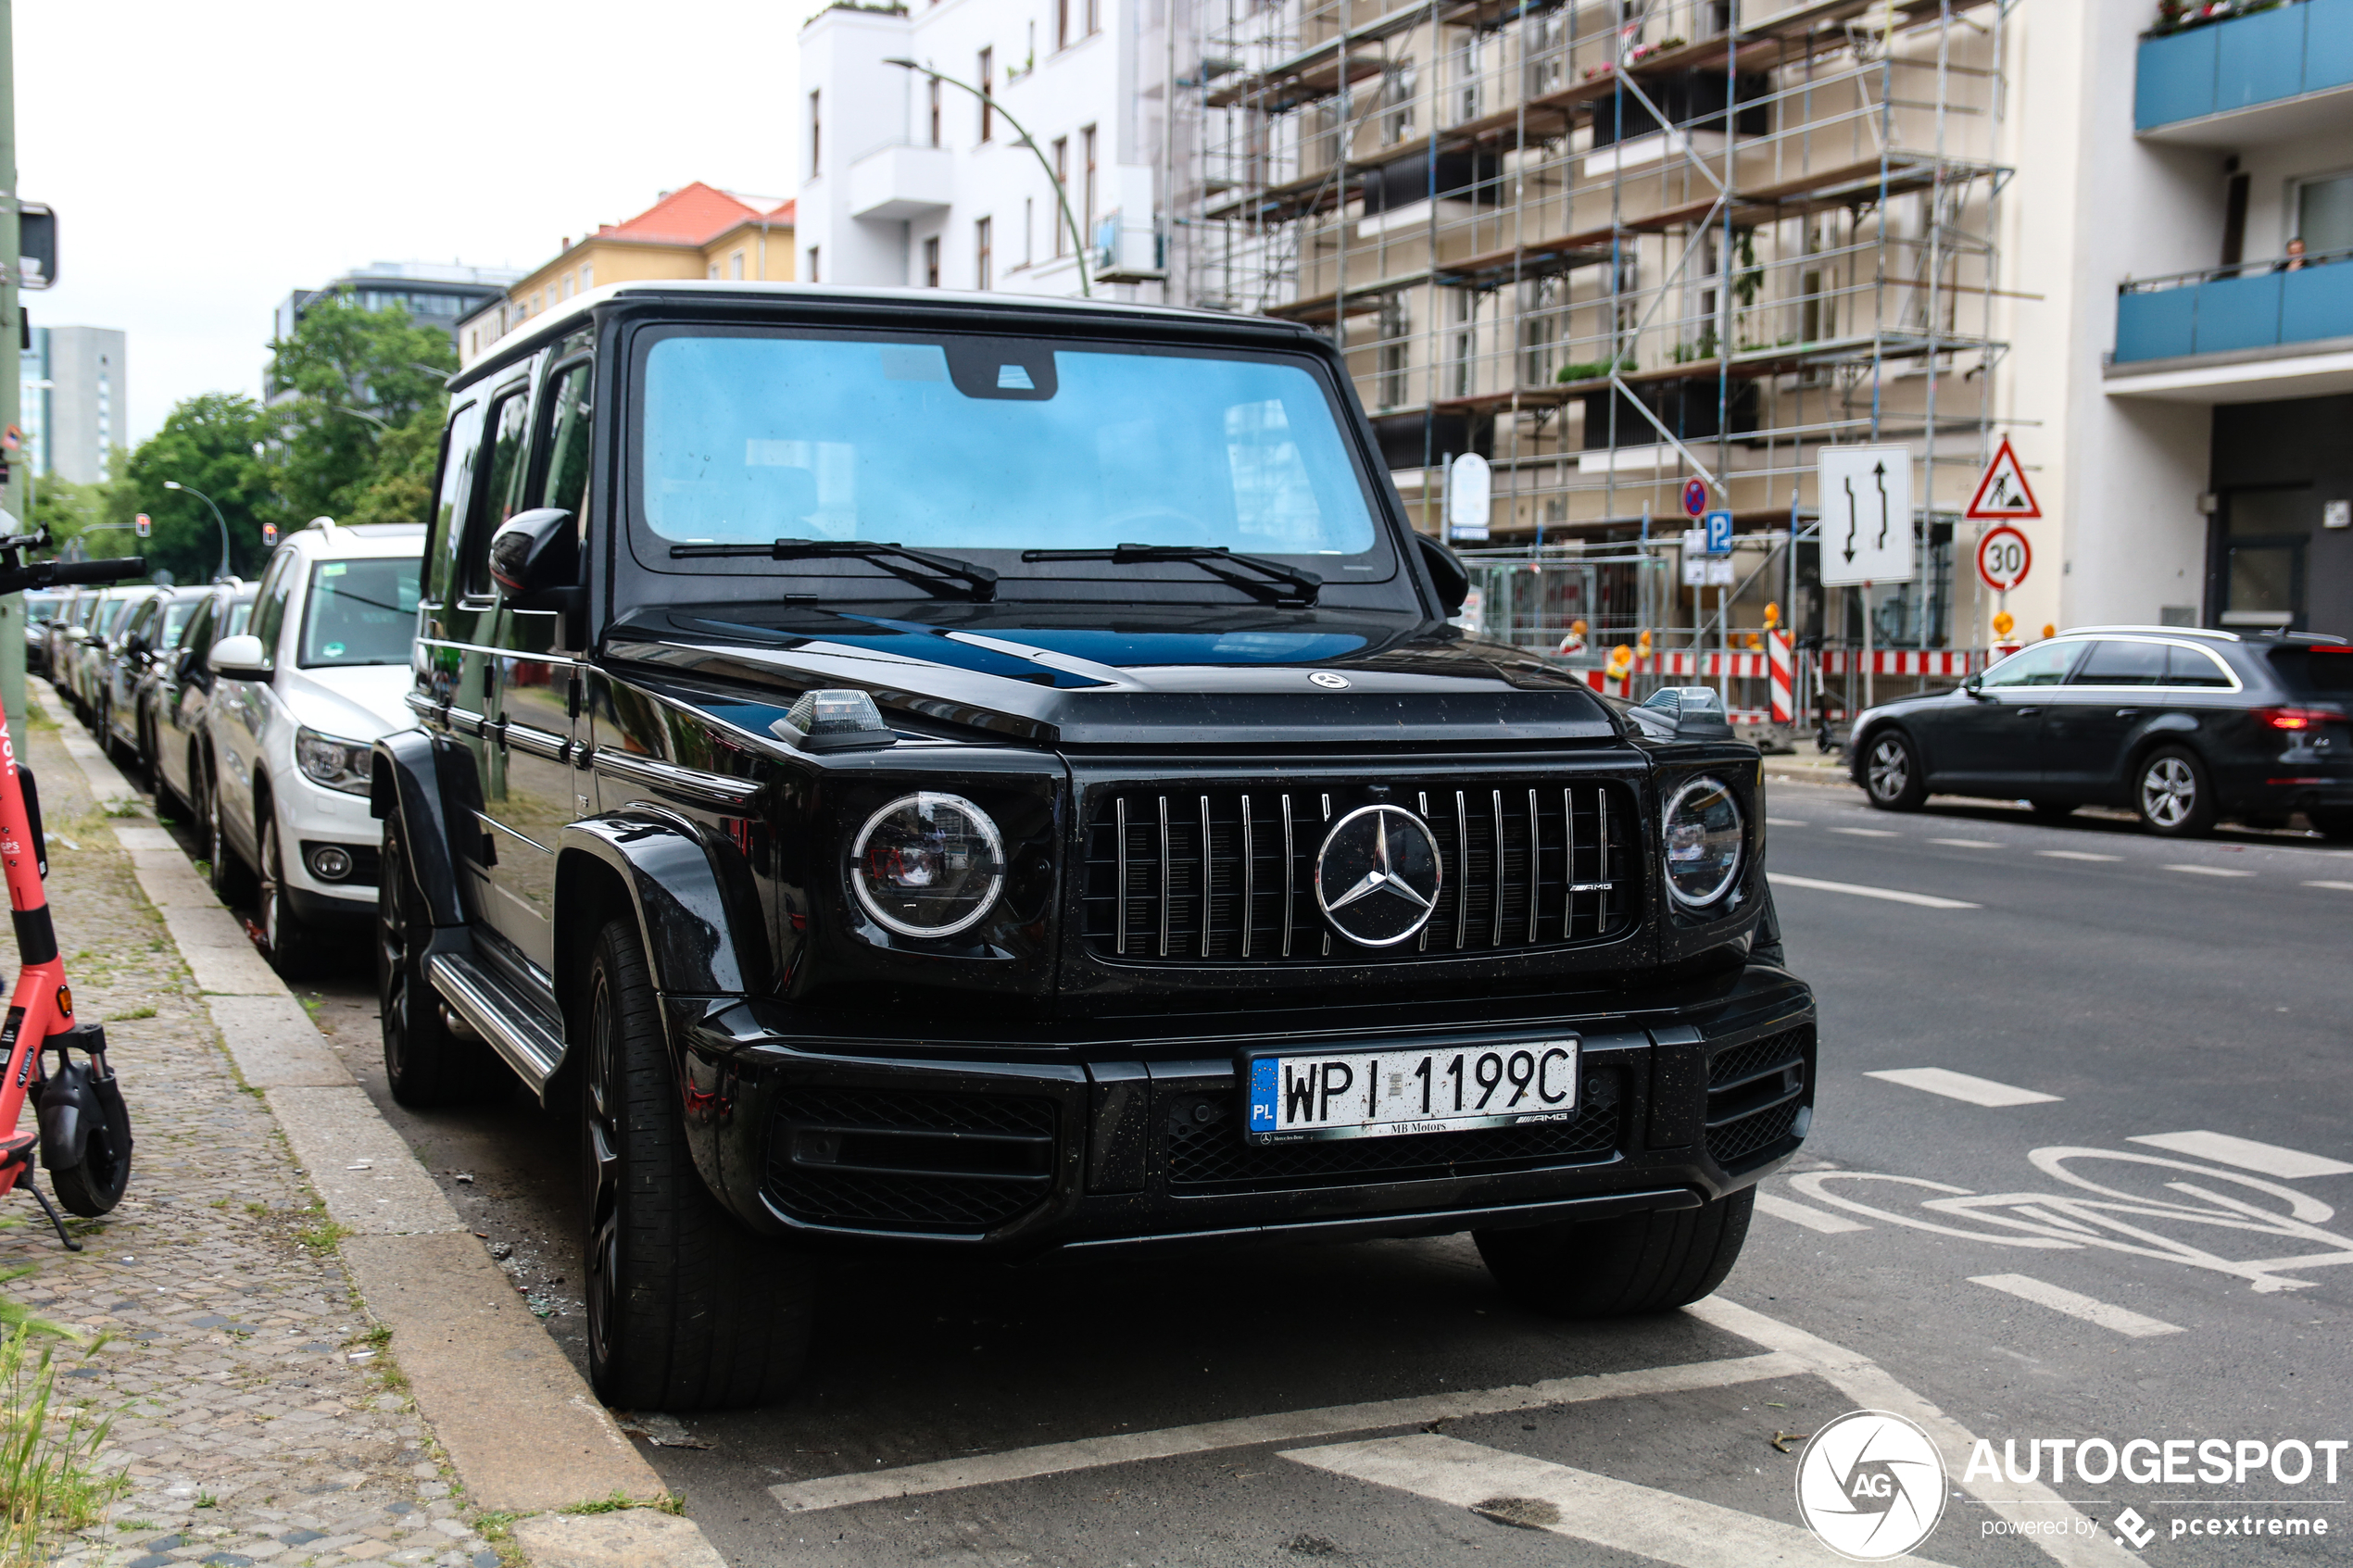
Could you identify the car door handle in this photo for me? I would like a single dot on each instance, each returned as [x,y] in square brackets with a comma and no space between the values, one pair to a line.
[2128,713]
[2028,712]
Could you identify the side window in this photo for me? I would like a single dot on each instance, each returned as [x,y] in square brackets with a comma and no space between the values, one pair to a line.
[502,496]
[568,427]
[2195,666]
[269,603]
[2116,662]
[199,633]
[2044,664]
[450,503]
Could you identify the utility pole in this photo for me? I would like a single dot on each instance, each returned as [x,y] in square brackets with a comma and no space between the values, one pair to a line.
[20,483]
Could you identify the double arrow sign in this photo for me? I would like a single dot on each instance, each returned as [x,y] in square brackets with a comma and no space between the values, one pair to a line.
[1879,474]
[1864,547]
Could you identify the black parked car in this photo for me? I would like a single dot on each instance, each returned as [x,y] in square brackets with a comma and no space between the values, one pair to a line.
[987,775]
[2182,726]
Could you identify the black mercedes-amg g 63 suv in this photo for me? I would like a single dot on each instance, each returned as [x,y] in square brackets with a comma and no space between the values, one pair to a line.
[991,775]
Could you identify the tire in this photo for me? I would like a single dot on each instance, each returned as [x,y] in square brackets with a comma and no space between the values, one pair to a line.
[1892,776]
[686,1309]
[2051,810]
[94,1187]
[1621,1267]
[425,1062]
[232,879]
[167,798]
[2336,826]
[294,947]
[2174,794]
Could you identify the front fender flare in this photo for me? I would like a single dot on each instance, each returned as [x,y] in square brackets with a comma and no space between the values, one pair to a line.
[695,909]
[412,775]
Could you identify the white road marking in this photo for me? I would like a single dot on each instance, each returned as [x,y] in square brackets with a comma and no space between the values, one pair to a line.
[1869,1386]
[2209,870]
[1892,895]
[2028,1289]
[1786,822]
[2268,1160]
[1968,843]
[1869,832]
[1639,1521]
[1800,1214]
[1291,1426]
[2338,886]
[2075,855]
[1960,1085]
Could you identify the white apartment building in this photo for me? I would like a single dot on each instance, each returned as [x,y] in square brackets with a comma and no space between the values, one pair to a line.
[909,181]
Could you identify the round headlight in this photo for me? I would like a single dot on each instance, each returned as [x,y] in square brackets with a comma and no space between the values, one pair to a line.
[929,865]
[1703,842]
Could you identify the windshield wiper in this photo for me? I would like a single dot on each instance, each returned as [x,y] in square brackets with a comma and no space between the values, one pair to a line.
[979,581]
[1304,585]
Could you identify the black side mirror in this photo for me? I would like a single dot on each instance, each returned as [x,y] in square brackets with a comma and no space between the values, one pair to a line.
[535,559]
[1447,572]
[1974,685]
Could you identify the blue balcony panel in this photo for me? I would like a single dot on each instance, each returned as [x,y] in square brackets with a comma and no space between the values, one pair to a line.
[2156,326]
[2328,44]
[2175,79]
[2259,58]
[2238,313]
[2316,303]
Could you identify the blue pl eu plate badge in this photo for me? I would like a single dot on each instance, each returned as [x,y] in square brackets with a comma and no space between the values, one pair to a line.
[1262,1094]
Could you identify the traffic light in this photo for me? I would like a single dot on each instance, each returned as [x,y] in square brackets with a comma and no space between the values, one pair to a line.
[270,534]
[142,525]
[36,245]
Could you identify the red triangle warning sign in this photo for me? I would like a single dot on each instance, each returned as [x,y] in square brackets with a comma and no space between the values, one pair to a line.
[2003,493]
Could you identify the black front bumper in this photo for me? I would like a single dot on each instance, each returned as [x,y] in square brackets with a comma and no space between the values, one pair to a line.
[1100,1141]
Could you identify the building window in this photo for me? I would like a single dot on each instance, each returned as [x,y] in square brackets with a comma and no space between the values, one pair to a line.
[1396,104]
[984,268]
[2324,214]
[1466,343]
[932,108]
[563,286]
[1396,350]
[812,264]
[988,103]
[816,133]
[1061,24]
[587,276]
[1094,17]
[1061,176]
[1086,205]
[736,264]
[534,302]
[931,262]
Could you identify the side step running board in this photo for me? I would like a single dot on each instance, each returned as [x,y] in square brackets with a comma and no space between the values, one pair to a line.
[492,1009]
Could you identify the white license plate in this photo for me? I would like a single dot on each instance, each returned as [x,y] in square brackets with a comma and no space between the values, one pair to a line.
[1383,1094]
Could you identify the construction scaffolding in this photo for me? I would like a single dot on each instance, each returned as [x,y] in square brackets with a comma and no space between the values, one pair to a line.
[1615,246]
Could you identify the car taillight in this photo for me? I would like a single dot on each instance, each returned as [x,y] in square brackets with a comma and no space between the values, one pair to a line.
[2295,717]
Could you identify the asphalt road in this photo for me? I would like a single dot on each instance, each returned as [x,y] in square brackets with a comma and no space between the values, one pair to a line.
[2062,1242]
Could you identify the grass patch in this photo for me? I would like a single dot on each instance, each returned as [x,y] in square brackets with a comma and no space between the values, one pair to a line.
[322,1237]
[47,1482]
[133,1013]
[617,1502]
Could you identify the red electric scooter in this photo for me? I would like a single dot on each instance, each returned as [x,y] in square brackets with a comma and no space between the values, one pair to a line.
[85,1132]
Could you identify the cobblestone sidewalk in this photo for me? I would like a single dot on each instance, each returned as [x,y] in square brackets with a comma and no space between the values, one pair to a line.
[255,1420]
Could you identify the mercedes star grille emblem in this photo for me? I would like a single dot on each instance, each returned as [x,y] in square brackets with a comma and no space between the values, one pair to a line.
[1378,875]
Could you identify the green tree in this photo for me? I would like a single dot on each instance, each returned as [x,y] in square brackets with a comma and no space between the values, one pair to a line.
[66,510]
[360,378]
[207,442]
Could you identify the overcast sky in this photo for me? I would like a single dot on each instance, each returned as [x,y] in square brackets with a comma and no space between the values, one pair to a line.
[204,160]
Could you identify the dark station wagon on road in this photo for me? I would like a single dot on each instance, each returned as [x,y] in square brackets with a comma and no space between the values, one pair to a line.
[2184,726]
[985,776]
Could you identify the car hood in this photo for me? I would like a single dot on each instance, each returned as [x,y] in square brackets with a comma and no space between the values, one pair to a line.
[1093,675]
[354,702]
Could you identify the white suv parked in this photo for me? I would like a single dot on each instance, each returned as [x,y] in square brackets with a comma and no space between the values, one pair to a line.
[283,794]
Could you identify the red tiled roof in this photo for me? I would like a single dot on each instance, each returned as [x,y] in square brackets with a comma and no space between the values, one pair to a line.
[689,216]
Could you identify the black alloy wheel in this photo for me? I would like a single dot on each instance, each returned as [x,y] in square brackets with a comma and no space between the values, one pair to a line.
[686,1309]
[1892,776]
[2173,795]
[426,1061]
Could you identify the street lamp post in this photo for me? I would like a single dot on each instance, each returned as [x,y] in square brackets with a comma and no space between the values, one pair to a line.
[1062,197]
[175,484]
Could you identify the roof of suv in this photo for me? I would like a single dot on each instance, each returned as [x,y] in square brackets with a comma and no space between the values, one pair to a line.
[558,319]
[354,541]
[2207,633]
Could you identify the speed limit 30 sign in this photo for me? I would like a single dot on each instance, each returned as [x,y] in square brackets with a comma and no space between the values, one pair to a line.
[2002,556]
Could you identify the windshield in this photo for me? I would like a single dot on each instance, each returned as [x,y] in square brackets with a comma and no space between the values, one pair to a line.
[974,445]
[360,612]
[39,611]
[111,615]
[175,620]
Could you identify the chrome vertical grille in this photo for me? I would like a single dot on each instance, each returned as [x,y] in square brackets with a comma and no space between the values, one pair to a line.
[1226,875]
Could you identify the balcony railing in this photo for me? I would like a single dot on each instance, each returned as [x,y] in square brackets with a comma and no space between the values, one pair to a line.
[2228,309]
[2263,58]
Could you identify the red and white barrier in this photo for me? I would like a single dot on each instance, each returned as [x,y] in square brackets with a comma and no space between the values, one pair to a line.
[1954,662]
[1777,651]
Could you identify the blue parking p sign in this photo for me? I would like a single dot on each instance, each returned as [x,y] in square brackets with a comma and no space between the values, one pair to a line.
[1719,533]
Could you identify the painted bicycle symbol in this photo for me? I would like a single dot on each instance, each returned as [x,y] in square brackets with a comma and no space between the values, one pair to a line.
[2197,1202]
